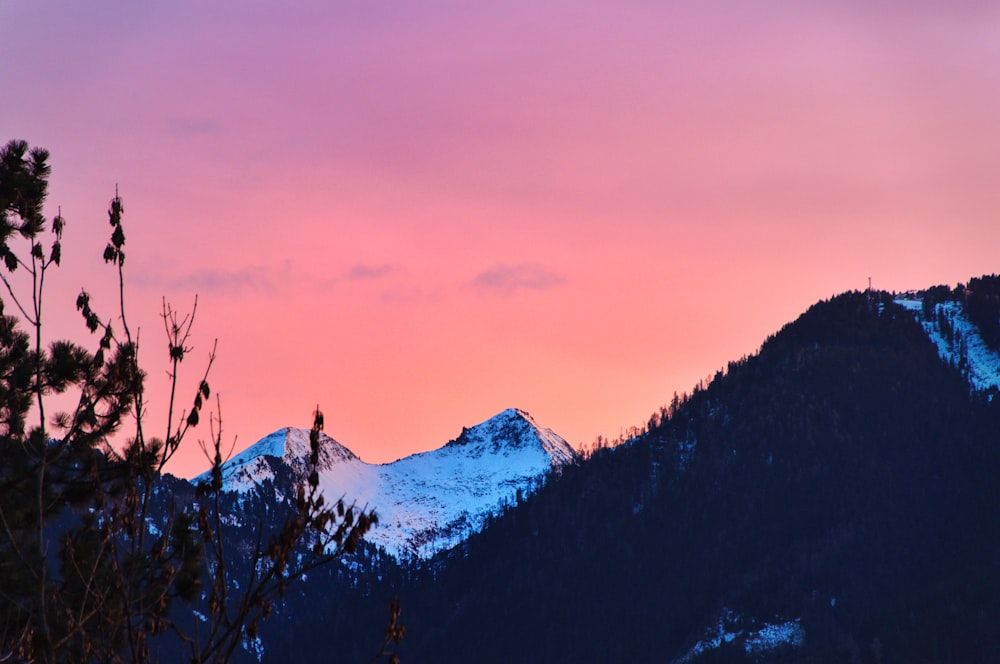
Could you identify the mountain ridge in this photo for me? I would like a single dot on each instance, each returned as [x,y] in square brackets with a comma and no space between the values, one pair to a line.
[428,501]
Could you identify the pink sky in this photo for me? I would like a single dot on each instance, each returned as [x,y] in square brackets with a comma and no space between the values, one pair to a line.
[420,214]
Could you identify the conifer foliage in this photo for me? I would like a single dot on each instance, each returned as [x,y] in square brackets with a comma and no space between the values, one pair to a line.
[86,571]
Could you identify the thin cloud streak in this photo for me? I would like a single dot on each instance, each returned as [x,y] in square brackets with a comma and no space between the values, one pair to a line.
[362,272]
[509,278]
[250,279]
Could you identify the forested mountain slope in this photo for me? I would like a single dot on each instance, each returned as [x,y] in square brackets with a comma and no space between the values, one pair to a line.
[841,483]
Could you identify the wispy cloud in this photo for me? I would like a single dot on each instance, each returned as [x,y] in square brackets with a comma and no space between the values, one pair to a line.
[361,272]
[509,278]
[254,279]
[368,272]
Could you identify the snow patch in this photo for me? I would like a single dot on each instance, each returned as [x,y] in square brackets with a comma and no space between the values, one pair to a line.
[964,347]
[767,637]
[254,646]
[772,636]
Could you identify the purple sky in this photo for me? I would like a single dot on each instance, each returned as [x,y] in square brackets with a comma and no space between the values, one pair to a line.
[419,214]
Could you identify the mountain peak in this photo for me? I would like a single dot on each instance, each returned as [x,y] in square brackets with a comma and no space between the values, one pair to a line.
[289,445]
[293,442]
[514,429]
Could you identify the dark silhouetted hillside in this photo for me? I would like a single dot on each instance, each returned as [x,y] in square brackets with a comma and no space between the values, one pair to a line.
[842,478]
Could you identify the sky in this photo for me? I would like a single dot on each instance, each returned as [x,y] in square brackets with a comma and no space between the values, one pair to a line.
[418,214]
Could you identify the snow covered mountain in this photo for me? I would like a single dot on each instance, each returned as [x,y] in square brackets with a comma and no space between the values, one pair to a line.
[425,502]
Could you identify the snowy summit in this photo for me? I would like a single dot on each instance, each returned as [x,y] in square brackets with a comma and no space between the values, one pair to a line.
[425,502]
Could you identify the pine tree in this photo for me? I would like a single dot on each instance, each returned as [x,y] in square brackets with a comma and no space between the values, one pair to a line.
[84,573]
